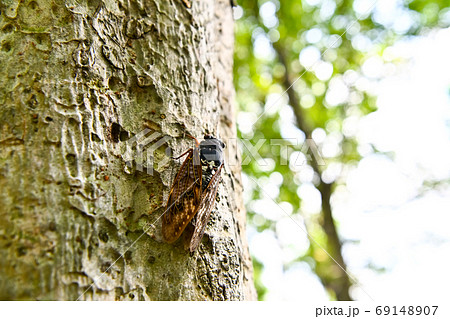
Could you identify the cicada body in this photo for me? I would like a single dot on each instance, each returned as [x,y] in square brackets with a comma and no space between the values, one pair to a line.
[193,192]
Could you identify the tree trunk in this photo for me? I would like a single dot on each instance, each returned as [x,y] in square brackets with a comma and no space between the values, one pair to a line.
[82,83]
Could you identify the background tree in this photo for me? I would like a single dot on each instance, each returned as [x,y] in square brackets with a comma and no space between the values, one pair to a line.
[78,80]
[314,50]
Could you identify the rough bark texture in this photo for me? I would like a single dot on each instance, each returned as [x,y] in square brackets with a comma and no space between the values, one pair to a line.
[78,79]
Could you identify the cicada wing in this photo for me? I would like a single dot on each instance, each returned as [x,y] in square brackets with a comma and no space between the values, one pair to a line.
[207,203]
[184,198]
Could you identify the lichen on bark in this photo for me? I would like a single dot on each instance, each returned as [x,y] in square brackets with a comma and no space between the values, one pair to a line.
[78,79]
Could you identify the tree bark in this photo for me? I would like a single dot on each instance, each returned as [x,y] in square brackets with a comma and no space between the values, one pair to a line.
[79,206]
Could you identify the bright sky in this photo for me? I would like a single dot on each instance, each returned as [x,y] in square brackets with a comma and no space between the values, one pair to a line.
[392,229]
[406,234]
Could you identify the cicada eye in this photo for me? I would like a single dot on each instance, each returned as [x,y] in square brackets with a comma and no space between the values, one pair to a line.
[223,145]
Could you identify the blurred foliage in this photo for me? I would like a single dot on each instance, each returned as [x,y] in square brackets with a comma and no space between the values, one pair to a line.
[277,43]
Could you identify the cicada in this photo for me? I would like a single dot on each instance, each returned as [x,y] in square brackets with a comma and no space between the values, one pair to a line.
[192,195]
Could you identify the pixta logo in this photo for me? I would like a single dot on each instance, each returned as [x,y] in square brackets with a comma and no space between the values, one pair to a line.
[143,152]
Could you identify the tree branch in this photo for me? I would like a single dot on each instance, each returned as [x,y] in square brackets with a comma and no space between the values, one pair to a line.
[341,285]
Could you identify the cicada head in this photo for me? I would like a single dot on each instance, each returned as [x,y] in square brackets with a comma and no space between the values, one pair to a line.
[211,150]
